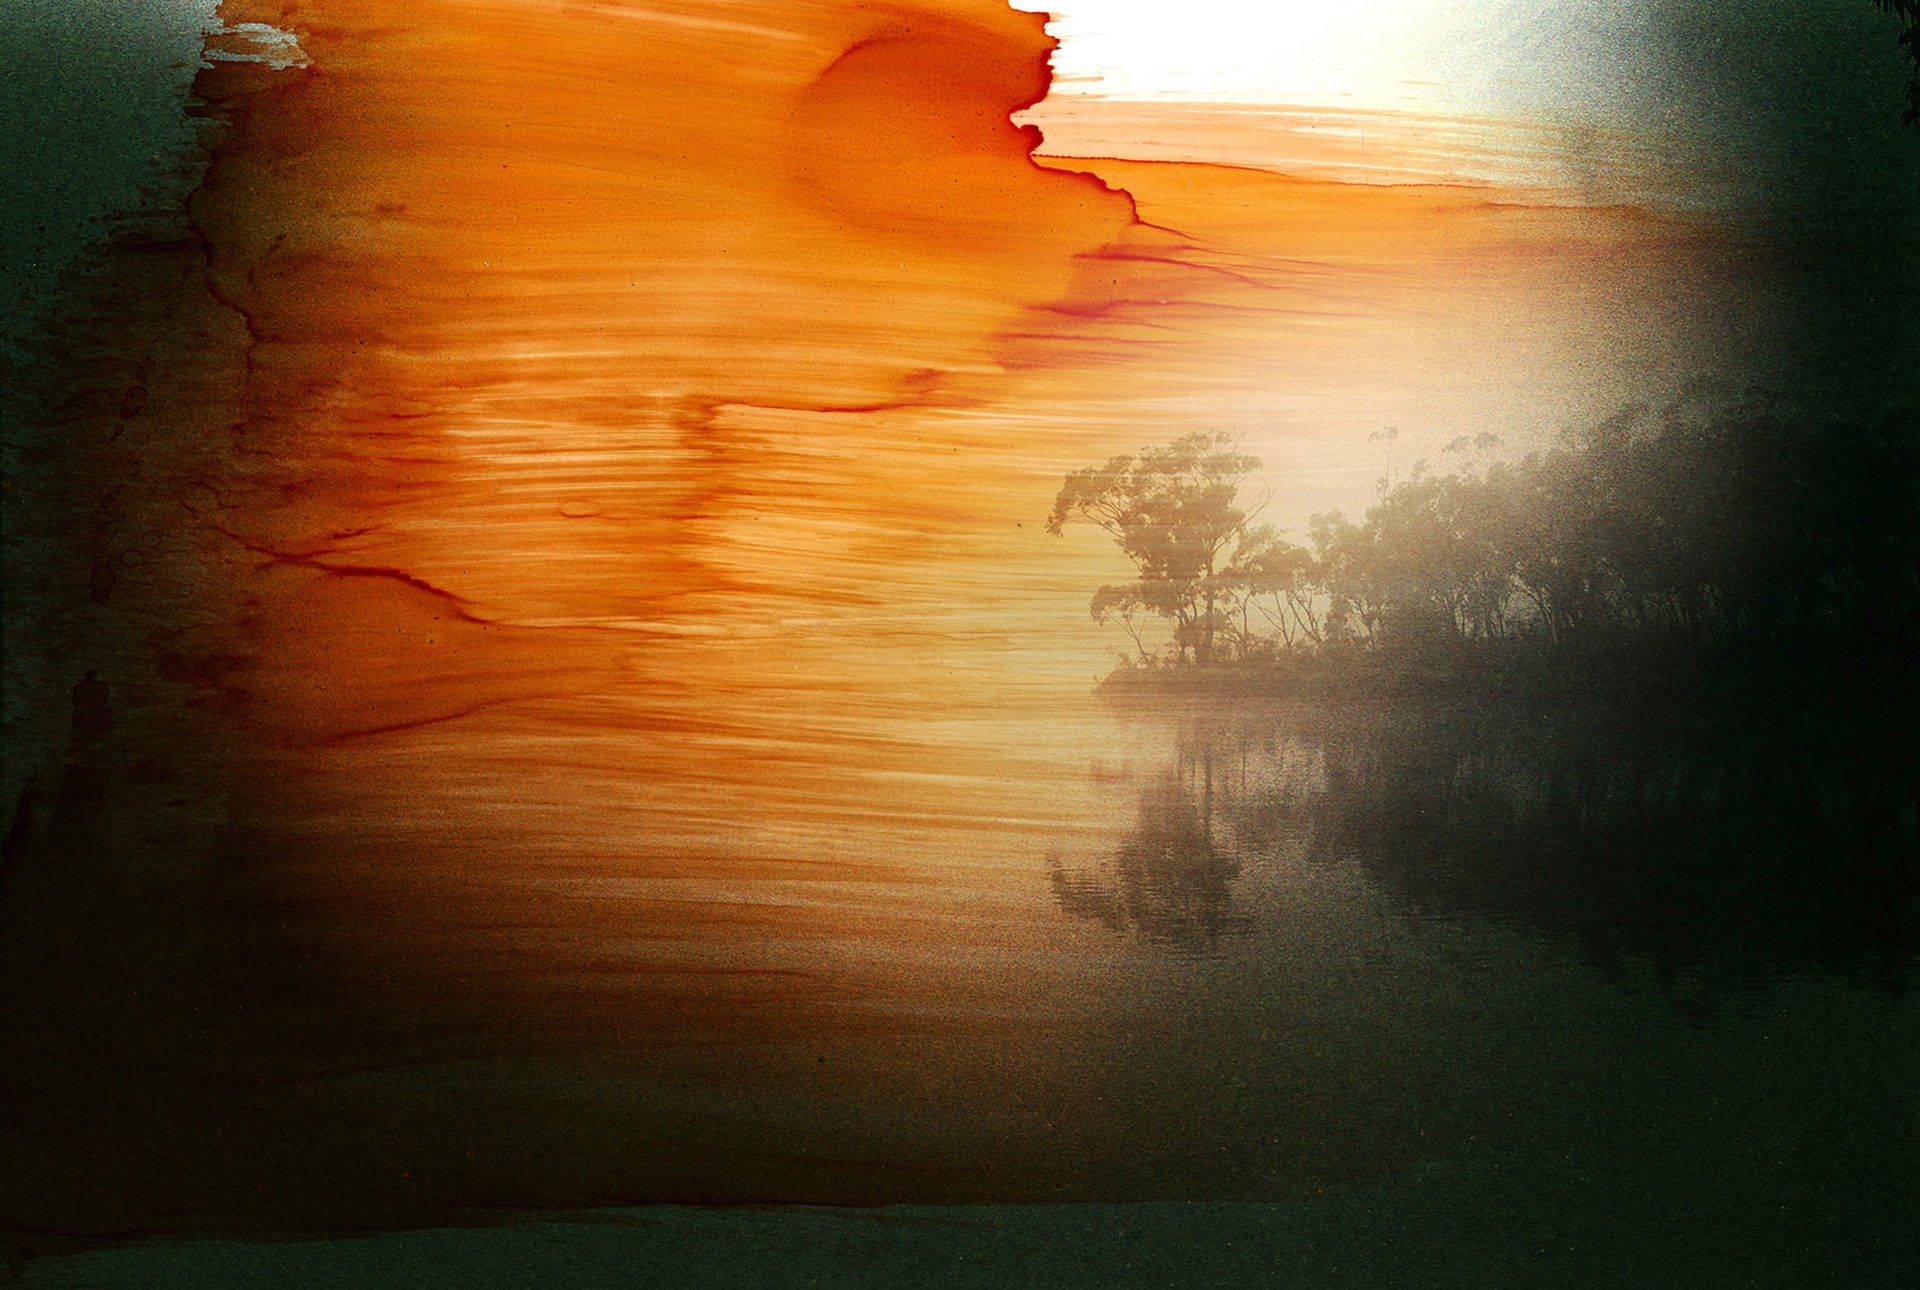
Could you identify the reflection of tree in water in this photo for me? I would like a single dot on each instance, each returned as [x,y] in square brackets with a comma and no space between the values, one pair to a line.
[1170,880]
[1731,847]
[1735,846]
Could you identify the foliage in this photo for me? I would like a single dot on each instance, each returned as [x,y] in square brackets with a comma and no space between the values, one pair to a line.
[1908,12]
[1175,512]
[1741,530]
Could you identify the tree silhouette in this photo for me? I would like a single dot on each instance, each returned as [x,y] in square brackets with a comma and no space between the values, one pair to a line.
[1174,510]
[1908,11]
[1747,532]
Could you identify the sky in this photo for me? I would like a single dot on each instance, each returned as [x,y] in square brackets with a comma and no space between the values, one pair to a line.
[1369,52]
[1774,106]
[1780,112]
[1606,60]
[1780,119]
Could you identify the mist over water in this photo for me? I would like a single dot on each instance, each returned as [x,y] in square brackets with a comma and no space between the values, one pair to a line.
[1748,846]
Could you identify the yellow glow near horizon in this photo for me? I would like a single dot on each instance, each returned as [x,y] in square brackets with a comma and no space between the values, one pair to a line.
[1371,51]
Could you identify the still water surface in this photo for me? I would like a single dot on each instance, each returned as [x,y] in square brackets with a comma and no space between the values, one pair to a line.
[1031,946]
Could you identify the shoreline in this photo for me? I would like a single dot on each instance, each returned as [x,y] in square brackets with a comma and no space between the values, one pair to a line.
[1673,687]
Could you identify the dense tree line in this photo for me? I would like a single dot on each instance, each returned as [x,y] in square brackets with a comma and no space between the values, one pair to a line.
[1746,529]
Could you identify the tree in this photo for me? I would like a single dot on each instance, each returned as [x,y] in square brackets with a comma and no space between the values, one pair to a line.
[1274,578]
[1752,531]
[1908,12]
[1174,510]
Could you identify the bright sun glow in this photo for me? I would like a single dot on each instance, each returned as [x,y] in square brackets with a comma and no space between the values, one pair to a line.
[1563,58]
[1375,51]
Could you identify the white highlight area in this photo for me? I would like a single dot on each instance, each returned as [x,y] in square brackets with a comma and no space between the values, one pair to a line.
[253,42]
[1571,60]
[1375,51]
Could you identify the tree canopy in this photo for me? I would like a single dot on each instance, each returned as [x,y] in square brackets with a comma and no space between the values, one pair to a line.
[1737,529]
[1175,512]
[1908,11]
